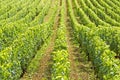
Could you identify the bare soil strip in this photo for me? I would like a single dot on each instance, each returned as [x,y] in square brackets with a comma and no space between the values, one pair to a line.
[44,62]
[80,67]
[71,50]
[43,72]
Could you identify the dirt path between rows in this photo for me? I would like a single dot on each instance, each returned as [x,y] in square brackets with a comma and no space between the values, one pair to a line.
[80,67]
[44,72]
[74,75]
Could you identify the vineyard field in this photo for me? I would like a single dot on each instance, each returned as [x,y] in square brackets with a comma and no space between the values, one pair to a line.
[59,39]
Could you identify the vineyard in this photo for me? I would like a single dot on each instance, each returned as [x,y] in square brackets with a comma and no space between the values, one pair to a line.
[59,39]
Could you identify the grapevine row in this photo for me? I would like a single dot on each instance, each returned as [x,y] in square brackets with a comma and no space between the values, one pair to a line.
[103,32]
[102,15]
[109,12]
[16,8]
[61,65]
[92,15]
[106,66]
[16,57]
[9,32]
[102,3]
